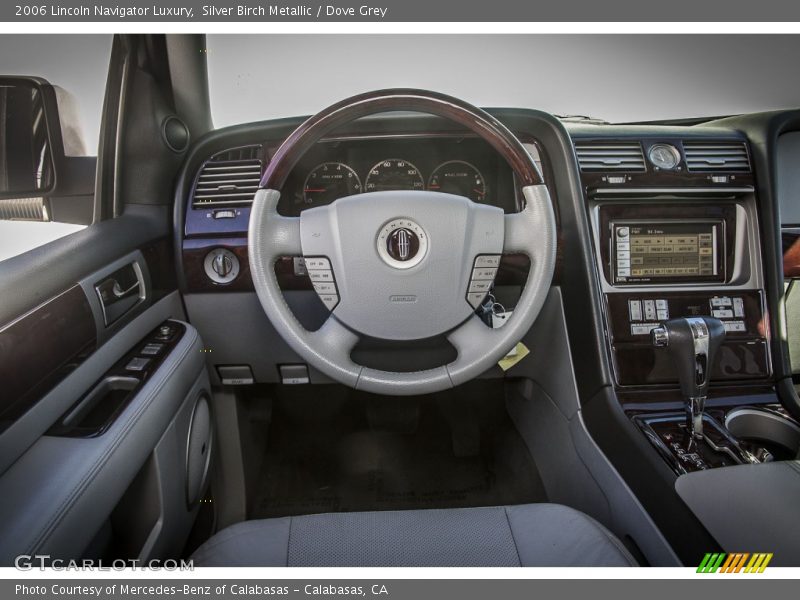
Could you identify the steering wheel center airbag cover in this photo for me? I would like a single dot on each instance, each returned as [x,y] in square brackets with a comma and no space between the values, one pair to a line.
[402,243]
[390,298]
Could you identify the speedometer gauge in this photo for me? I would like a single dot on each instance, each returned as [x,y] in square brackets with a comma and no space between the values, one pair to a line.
[330,181]
[460,178]
[394,174]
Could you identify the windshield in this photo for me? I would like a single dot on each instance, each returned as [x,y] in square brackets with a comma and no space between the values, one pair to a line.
[617,78]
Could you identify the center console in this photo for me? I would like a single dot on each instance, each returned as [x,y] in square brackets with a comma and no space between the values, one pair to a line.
[681,243]
[676,257]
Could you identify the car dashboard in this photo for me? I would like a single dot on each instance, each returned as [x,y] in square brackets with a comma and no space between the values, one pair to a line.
[654,222]
[671,214]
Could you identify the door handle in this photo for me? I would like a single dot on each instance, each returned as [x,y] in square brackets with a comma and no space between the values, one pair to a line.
[116,300]
[119,293]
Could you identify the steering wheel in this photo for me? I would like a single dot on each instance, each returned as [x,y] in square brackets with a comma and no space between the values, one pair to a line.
[402,265]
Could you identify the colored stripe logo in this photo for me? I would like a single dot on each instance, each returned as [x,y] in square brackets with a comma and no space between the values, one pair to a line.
[737,562]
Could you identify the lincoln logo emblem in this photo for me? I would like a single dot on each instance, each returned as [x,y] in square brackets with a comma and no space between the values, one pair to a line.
[402,244]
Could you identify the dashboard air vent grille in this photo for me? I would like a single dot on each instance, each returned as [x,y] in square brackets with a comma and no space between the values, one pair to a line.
[229,178]
[704,156]
[610,156]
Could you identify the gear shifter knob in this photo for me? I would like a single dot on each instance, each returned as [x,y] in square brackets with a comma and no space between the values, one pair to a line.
[692,343]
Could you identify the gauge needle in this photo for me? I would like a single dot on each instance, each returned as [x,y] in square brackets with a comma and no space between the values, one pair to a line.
[312,190]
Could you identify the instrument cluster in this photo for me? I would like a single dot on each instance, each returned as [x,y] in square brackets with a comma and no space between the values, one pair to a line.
[465,166]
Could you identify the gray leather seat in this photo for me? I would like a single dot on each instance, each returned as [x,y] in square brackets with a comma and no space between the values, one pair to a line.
[525,535]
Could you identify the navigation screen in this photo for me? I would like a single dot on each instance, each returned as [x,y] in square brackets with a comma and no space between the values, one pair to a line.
[675,251]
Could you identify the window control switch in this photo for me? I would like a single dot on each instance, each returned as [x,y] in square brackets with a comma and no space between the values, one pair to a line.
[137,364]
[151,349]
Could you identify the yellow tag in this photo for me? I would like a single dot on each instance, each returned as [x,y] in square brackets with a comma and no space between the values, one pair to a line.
[519,352]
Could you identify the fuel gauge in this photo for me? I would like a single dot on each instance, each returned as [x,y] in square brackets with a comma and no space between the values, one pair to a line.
[458,177]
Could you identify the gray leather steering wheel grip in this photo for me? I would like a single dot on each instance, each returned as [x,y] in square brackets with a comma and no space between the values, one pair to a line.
[337,230]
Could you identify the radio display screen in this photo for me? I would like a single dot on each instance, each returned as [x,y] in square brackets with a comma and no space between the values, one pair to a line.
[668,252]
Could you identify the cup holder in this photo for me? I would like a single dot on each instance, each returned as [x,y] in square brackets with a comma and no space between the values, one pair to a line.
[775,432]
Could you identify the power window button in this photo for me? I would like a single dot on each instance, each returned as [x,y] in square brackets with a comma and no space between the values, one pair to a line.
[137,364]
[152,349]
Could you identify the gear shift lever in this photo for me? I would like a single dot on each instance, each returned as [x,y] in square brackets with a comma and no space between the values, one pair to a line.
[692,343]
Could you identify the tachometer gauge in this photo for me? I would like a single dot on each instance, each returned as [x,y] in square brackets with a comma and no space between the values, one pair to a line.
[330,181]
[664,156]
[394,174]
[460,178]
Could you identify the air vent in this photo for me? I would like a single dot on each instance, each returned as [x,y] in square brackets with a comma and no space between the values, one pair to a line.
[610,156]
[716,156]
[229,178]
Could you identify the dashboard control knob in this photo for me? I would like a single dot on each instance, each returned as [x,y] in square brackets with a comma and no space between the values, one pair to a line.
[221,266]
[165,330]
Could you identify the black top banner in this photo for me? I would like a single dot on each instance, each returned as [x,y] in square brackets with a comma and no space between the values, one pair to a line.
[401,11]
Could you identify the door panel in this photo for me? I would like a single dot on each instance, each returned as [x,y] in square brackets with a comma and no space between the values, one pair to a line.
[95,408]
[60,492]
[57,357]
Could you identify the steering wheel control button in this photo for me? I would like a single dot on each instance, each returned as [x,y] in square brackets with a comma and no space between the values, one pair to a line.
[484,274]
[480,286]
[329,300]
[294,374]
[318,264]
[476,299]
[484,270]
[299,264]
[488,260]
[221,266]
[324,288]
[402,243]
[321,276]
